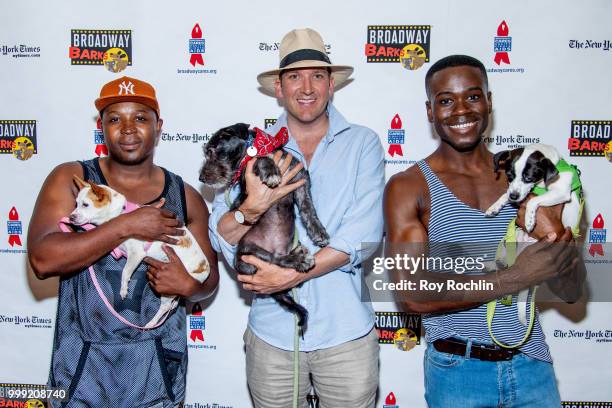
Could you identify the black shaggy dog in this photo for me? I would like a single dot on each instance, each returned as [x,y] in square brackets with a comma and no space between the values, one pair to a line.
[271,238]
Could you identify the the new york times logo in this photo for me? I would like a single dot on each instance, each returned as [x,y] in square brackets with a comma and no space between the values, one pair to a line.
[407,44]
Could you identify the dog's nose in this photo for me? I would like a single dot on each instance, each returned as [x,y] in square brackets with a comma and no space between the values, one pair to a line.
[72,217]
[514,196]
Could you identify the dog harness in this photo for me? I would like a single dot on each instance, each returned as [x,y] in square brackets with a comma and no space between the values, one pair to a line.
[117,253]
[261,145]
[510,243]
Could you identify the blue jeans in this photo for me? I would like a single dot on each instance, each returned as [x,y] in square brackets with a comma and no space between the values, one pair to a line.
[453,381]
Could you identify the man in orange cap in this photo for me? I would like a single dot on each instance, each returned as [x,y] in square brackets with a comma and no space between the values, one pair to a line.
[97,358]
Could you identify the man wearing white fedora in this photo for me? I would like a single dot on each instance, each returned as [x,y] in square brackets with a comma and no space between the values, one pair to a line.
[339,349]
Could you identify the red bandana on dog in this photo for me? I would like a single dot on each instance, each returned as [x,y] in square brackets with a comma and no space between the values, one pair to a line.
[262,145]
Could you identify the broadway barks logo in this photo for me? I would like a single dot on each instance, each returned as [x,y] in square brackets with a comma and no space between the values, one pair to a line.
[399,328]
[269,123]
[590,138]
[407,44]
[586,404]
[390,401]
[18,137]
[597,237]
[111,48]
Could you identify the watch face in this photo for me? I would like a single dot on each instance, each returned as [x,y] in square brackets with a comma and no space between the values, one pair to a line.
[239,217]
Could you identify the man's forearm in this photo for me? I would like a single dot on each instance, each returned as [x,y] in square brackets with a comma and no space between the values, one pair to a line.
[326,260]
[496,285]
[60,254]
[230,230]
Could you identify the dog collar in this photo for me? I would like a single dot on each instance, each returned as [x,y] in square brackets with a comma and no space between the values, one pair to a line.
[64,226]
[261,145]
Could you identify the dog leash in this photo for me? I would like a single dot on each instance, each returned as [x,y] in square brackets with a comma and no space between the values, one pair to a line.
[510,243]
[116,253]
[511,248]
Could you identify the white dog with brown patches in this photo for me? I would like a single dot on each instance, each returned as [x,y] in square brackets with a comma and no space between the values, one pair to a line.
[97,204]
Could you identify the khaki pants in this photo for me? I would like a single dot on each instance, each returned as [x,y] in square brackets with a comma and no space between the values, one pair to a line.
[344,376]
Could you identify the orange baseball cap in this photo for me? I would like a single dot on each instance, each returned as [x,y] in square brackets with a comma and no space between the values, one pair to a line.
[126,89]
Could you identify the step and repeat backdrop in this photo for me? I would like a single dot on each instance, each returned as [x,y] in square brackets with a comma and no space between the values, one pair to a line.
[549,65]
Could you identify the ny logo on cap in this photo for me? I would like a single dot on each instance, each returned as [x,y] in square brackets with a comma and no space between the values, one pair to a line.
[126,89]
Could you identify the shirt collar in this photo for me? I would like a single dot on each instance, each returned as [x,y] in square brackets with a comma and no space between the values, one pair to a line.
[337,124]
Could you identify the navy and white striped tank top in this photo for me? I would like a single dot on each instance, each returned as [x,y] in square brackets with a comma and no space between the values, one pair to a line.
[452,221]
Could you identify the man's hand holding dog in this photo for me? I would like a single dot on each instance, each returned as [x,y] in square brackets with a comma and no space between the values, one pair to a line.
[261,197]
[170,278]
[555,257]
[151,223]
[269,278]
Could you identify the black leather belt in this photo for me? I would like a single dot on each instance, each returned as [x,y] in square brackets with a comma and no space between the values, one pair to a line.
[479,351]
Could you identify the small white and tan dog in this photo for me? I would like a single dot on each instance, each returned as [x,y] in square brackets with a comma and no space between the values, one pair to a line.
[97,204]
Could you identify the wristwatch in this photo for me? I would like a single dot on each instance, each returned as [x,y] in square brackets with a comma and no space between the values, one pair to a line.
[241,219]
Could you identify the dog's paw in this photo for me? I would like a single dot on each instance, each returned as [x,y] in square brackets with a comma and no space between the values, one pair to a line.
[272,180]
[124,291]
[321,239]
[305,264]
[492,211]
[530,220]
[245,268]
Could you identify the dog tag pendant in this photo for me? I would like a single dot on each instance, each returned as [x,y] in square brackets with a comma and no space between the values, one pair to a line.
[252,151]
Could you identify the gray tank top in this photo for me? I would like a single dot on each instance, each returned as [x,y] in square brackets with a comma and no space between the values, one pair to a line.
[98,359]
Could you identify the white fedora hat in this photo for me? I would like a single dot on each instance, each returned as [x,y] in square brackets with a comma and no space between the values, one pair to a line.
[303,48]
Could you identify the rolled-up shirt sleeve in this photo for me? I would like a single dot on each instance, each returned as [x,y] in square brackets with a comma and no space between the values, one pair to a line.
[219,244]
[363,221]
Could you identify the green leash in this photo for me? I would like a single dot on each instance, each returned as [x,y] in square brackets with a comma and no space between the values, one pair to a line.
[511,245]
[296,355]
[296,336]
[510,242]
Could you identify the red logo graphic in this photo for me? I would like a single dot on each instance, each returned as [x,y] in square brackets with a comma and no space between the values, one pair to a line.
[196,323]
[395,136]
[101,148]
[196,46]
[390,401]
[502,44]
[14,228]
[597,236]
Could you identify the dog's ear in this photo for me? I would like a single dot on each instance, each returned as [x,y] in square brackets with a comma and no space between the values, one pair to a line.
[97,190]
[80,183]
[550,170]
[499,159]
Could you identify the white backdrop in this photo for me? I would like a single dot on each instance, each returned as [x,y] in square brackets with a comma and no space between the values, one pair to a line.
[558,73]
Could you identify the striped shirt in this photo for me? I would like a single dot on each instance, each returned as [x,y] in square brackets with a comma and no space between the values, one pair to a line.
[452,221]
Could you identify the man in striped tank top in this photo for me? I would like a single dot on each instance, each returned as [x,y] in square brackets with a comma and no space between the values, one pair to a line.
[442,200]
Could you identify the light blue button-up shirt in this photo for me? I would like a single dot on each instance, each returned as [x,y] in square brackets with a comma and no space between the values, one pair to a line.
[347,182]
